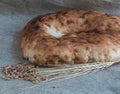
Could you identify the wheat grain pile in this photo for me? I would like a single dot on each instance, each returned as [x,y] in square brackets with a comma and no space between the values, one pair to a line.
[25,71]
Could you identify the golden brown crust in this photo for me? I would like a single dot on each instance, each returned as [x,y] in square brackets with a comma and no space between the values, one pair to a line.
[78,36]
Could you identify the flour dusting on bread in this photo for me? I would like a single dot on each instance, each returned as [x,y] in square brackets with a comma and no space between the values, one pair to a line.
[51,30]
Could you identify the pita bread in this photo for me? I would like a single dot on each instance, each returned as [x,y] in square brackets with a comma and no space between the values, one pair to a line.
[71,37]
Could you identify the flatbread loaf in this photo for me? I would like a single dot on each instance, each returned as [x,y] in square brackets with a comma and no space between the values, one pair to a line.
[71,37]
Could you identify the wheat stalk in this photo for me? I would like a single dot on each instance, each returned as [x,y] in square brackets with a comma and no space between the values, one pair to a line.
[31,73]
[71,70]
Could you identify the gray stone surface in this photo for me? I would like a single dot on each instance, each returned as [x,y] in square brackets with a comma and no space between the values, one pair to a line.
[14,14]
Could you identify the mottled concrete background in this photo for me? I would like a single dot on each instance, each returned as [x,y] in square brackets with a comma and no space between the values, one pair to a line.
[14,14]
